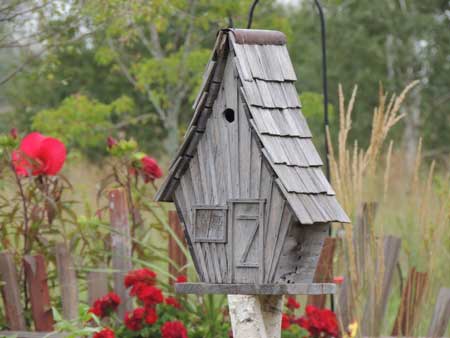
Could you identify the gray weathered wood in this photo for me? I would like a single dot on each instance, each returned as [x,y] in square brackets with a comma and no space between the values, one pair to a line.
[441,314]
[67,281]
[257,289]
[376,303]
[120,245]
[233,158]
[97,285]
[10,292]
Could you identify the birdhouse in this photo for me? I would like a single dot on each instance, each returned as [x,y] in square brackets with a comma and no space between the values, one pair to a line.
[247,181]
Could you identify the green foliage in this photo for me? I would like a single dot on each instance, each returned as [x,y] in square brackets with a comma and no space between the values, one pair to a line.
[81,122]
[312,109]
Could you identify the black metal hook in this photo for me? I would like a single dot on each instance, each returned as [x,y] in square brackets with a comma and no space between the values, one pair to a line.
[250,14]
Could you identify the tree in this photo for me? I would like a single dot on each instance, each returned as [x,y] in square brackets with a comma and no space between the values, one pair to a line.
[394,42]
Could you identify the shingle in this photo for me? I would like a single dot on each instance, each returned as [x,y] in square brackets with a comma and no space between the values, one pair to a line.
[205,81]
[253,60]
[283,57]
[243,66]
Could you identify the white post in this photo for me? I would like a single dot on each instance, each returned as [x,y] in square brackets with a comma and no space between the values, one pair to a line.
[255,316]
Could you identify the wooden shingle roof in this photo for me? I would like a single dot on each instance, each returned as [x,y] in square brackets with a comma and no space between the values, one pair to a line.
[268,86]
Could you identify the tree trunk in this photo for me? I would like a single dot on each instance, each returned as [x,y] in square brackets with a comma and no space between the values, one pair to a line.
[171,141]
[255,316]
[411,133]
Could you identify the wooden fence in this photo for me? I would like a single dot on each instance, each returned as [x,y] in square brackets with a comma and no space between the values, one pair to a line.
[36,277]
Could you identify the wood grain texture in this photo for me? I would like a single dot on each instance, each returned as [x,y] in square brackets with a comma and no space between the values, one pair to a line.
[324,271]
[67,278]
[120,245]
[410,304]
[97,285]
[441,314]
[178,260]
[256,289]
[10,292]
[375,308]
[36,276]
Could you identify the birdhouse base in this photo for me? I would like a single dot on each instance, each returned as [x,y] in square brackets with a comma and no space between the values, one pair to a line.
[256,289]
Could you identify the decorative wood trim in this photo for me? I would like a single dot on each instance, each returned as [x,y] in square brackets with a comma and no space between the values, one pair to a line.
[256,289]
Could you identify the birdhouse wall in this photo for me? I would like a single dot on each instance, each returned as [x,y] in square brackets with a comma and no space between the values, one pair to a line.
[300,253]
[229,173]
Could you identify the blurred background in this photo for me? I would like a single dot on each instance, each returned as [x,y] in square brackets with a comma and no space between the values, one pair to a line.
[83,70]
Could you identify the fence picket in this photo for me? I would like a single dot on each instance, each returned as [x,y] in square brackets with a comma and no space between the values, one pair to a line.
[175,253]
[10,292]
[67,281]
[120,245]
[36,276]
[441,314]
[324,271]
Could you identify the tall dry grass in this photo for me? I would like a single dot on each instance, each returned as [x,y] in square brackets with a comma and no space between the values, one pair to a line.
[413,204]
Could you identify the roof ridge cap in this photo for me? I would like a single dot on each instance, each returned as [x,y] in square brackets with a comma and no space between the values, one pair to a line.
[257,36]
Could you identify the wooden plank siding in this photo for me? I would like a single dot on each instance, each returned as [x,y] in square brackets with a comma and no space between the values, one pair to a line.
[228,164]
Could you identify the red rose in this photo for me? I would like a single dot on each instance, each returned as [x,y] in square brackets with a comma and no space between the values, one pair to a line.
[182,279]
[145,276]
[134,320]
[105,333]
[39,155]
[319,322]
[285,322]
[150,169]
[105,305]
[173,329]
[150,295]
[172,301]
[292,303]
[151,316]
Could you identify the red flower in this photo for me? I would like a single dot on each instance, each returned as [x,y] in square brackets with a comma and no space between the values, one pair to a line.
[39,155]
[173,329]
[150,295]
[13,133]
[285,322]
[172,301]
[151,316]
[145,276]
[105,333]
[105,305]
[150,169]
[134,320]
[181,279]
[292,303]
[338,279]
[319,322]
[111,141]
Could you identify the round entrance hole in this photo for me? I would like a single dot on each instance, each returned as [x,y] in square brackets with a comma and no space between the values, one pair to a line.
[229,114]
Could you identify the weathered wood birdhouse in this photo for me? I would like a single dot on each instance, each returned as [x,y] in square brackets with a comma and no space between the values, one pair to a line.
[247,180]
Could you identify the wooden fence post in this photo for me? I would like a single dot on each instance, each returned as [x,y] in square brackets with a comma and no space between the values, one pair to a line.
[441,314]
[120,245]
[361,234]
[10,292]
[175,253]
[324,271]
[97,285]
[375,307]
[36,275]
[410,303]
[67,280]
